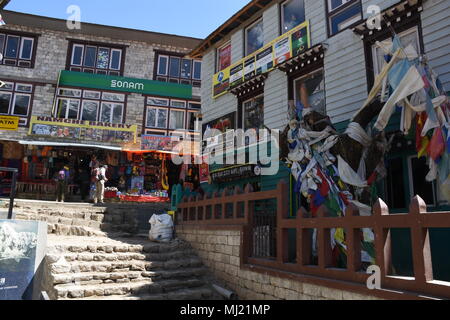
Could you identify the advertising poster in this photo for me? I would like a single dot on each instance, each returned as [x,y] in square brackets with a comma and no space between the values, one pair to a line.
[158,143]
[264,61]
[82,130]
[299,41]
[221,82]
[204,171]
[282,50]
[249,68]
[22,249]
[237,75]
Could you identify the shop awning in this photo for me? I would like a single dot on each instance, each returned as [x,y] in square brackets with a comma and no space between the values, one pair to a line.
[65,144]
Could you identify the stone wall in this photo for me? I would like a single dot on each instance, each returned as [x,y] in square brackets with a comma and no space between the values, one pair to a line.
[220,251]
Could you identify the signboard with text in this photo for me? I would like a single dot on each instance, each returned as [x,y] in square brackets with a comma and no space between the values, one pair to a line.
[283,48]
[82,130]
[9,123]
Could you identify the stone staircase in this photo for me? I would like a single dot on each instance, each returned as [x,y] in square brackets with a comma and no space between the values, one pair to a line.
[91,256]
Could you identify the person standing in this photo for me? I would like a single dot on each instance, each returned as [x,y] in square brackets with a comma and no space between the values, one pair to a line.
[100,184]
[61,178]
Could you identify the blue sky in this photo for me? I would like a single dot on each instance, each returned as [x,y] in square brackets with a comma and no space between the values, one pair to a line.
[194,18]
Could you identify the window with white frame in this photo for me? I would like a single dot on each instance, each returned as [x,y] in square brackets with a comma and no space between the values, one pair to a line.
[176,69]
[254,37]
[310,91]
[90,105]
[157,117]
[15,100]
[17,50]
[342,14]
[292,14]
[177,119]
[224,57]
[191,120]
[96,59]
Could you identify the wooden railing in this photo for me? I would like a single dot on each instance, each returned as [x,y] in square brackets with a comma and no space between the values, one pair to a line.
[237,207]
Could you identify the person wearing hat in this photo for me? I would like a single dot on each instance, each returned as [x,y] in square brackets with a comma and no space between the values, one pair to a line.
[101,179]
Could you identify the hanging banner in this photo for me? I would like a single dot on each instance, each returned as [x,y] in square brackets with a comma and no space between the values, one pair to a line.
[158,143]
[82,130]
[204,171]
[278,51]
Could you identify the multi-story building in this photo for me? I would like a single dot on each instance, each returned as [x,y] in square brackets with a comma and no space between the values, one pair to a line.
[78,92]
[333,69]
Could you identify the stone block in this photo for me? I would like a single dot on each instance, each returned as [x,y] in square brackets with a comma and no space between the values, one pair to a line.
[312,290]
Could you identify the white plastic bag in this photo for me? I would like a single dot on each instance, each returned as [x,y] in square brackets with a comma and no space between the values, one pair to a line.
[162,228]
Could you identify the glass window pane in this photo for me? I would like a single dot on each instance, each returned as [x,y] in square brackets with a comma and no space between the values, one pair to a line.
[162,118]
[91,94]
[174,67]
[5,100]
[293,14]
[73,109]
[176,119]
[70,93]
[193,105]
[336,3]
[191,120]
[12,45]
[310,91]
[2,42]
[62,108]
[224,57]
[90,56]
[24,87]
[77,55]
[106,112]
[113,97]
[116,56]
[162,66]
[157,102]
[197,70]
[255,37]
[254,113]
[27,49]
[178,104]
[345,18]
[186,69]
[151,117]
[103,58]
[21,104]
[117,113]
[90,109]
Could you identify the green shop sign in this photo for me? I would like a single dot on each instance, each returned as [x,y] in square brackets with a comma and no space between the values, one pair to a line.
[123,84]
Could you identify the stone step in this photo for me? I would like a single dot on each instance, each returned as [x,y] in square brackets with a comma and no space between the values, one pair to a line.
[119,266]
[136,287]
[126,275]
[201,293]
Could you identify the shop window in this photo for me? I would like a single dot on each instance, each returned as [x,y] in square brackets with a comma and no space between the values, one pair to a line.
[342,14]
[96,59]
[156,118]
[176,119]
[15,100]
[292,14]
[17,50]
[254,37]
[254,113]
[310,91]
[224,57]
[176,69]
[90,105]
